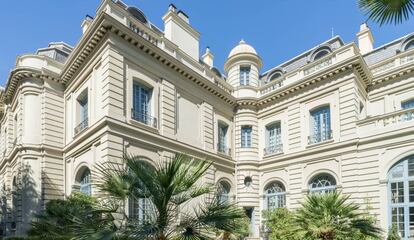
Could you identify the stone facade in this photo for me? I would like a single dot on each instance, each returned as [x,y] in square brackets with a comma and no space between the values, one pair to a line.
[338,116]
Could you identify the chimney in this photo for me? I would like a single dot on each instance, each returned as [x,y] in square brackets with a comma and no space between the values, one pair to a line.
[208,58]
[86,23]
[365,39]
[178,30]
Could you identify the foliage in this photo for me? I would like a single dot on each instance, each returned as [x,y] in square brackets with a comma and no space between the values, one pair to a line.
[329,216]
[61,218]
[393,233]
[170,186]
[280,222]
[387,11]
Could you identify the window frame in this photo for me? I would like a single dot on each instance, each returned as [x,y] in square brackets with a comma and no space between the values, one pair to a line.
[246,136]
[324,189]
[244,75]
[279,196]
[320,124]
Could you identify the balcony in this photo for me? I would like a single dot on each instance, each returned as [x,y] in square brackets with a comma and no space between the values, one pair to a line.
[273,149]
[223,149]
[144,118]
[81,126]
[321,136]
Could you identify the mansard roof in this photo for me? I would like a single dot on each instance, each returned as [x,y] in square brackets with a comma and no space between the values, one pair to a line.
[303,58]
[387,50]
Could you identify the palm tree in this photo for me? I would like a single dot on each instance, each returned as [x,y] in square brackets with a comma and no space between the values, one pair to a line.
[329,216]
[181,206]
[387,11]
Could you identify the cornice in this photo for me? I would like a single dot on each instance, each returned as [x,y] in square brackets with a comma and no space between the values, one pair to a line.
[393,74]
[20,73]
[104,24]
[355,63]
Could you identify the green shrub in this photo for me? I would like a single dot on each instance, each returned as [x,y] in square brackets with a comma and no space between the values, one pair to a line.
[280,223]
[393,233]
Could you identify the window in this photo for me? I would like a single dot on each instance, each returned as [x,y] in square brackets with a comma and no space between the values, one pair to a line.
[409,45]
[273,139]
[244,76]
[222,139]
[85,182]
[275,75]
[223,191]
[141,110]
[320,125]
[83,112]
[141,209]
[408,105]
[275,196]
[320,54]
[322,183]
[246,137]
[401,197]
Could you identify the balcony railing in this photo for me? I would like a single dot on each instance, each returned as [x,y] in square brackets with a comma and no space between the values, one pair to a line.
[81,126]
[321,136]
[400,116]
[223,149]
[144,118]
[273,149]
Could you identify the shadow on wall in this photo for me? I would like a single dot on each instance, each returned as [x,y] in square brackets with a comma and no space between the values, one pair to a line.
[24,199]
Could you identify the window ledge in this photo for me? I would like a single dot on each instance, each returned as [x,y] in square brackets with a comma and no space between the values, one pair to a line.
[142,125]
[311,145]
[273,154]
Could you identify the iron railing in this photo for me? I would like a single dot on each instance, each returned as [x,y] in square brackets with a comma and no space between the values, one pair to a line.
[273,149]
[223,149]
[321,136]
[81,126]
[144,118]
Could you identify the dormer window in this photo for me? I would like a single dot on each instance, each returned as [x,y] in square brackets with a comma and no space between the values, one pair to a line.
[320,54]
[409,45]
[274,76]
[244,75]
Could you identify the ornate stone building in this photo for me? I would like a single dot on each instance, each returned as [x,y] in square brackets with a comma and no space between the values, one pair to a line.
[339,116]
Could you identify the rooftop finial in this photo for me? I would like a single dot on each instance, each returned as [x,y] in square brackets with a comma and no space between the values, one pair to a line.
[242,41]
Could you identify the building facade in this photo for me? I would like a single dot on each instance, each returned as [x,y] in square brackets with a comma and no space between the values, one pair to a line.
[339,116]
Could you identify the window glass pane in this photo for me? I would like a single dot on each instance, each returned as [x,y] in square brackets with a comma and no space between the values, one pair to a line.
[320,125]
[244,76]
[397,218]
[246,137]
[407,104]
[411,223]
[397,192]
[141,103]
[322,183]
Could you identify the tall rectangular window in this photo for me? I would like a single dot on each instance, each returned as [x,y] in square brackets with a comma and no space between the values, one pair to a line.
[141,104]
[83,111]
[222,138]
[141,210]
[408,105]
[273,139]
[244,76]
[320,124]
[246,136]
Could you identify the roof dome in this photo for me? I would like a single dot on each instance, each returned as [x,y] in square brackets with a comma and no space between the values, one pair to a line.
[243,47]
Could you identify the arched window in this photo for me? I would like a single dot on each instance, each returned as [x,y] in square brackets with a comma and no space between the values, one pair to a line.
[275,75]
[401,197]
[85,182]
[138,14]
[322,183]
[409,45]
[320,54]
[223,191]
[275,195]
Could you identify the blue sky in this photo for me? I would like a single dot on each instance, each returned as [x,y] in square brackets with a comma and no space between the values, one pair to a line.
[278,29]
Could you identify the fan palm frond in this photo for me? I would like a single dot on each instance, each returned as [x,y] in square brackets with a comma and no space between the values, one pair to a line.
[387,11]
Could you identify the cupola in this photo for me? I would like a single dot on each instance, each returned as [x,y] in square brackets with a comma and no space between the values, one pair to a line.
[243,65]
